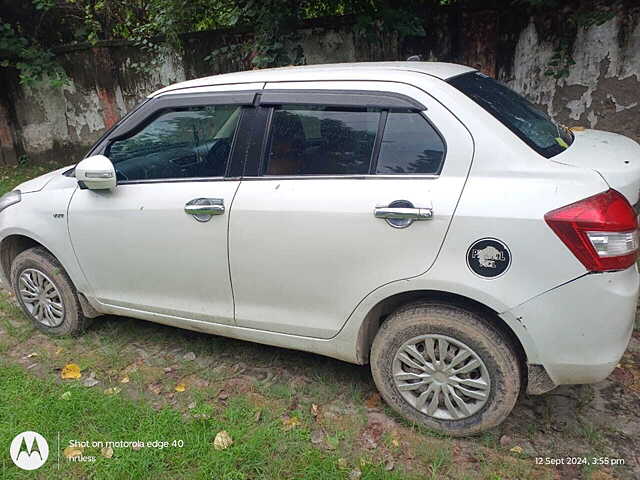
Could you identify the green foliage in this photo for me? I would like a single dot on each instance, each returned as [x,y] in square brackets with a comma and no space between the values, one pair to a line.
[30,30]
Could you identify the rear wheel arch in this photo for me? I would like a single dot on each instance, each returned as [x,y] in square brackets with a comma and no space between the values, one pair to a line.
[379,313]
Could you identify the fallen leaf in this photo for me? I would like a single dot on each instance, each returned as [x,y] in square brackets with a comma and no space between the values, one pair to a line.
[332,442]
[223,395]
[136,446]
[191,406]
[290,423]
[355,474]
[374,401]
[315,410]
[395,439]
[112,391]
[257,416]
[317,437]
[389,464]
[124,380]
[517,449]
[181,387]
[189,356]
[90,382]
[59,350]
[106,452]
[342,463]
[72,452]
[70,371]
[32,354]
[222,440]
[155,388]
[65,396]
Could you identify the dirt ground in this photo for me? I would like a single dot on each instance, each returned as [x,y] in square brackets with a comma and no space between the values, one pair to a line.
[598,421]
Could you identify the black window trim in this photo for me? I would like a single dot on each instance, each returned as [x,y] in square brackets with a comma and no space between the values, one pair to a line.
[340,98]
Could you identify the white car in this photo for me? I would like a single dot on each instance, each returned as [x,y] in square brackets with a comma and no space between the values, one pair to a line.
[419,217]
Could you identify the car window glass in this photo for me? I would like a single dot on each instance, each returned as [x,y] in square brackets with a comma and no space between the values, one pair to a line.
[185,143]
[409,145]
[320,140]
[517,113]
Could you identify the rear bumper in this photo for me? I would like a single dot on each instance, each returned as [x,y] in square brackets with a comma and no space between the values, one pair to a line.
[582,328]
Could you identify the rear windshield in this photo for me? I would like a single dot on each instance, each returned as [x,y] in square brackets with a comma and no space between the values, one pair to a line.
[516,112]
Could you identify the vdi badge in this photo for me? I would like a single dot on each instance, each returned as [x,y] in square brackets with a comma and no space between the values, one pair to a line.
[29,450]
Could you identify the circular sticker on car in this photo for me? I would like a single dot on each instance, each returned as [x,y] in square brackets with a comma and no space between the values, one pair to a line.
[488,258]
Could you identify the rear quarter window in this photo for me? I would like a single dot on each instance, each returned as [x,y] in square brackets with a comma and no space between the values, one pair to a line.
[517,113]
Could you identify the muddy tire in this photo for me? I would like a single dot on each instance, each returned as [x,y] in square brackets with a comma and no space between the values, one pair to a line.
[428,349]
[45,293]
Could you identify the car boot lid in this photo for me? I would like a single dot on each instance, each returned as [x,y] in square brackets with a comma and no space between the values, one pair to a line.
[615,157]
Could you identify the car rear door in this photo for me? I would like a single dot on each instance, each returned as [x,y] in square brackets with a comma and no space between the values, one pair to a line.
[353,186]
[147,247]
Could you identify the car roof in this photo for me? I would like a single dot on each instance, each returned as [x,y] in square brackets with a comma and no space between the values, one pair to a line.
[368,71]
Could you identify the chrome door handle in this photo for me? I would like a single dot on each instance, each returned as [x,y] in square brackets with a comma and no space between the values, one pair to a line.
[401,213]
[203,209]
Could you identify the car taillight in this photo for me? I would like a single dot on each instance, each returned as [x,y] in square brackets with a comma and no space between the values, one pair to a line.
[601,231]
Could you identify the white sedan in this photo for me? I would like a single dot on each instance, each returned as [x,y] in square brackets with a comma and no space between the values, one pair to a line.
[419,217]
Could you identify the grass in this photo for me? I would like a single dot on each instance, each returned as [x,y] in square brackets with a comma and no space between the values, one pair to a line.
[12,175]
[261,449]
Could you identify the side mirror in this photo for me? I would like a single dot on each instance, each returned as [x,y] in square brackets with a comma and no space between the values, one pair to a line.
[96,173]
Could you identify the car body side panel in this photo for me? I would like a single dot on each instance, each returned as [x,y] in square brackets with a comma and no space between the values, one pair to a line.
[42,216]
[304,251]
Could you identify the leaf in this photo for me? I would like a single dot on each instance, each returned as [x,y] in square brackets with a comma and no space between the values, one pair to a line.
[315,410]
[106,452]
[155,388]
[124,380]
[517,449]
[70,371]
[222,441]
[72,452]
[112,391]
[290,423]
[374,401]
[90,382]
[181,387]
[65,396]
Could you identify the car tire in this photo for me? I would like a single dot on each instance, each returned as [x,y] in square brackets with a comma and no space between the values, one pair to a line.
[474,394]
[46,294]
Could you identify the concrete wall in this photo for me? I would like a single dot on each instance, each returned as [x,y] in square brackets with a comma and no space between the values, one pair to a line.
[601,90]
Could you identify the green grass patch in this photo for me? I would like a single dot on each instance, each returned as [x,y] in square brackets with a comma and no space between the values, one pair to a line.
[12,175]
[262,449]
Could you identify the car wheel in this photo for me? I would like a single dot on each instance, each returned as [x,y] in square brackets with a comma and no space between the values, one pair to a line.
[445,368]
[46,294]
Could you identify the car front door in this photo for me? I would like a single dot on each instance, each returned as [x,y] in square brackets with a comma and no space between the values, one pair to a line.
[342,199]
[157,243]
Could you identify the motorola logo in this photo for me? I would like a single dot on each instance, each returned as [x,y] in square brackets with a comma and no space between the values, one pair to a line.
[29,450]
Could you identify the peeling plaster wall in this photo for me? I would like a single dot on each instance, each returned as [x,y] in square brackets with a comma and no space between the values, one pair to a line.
[64,122]
[602,89]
